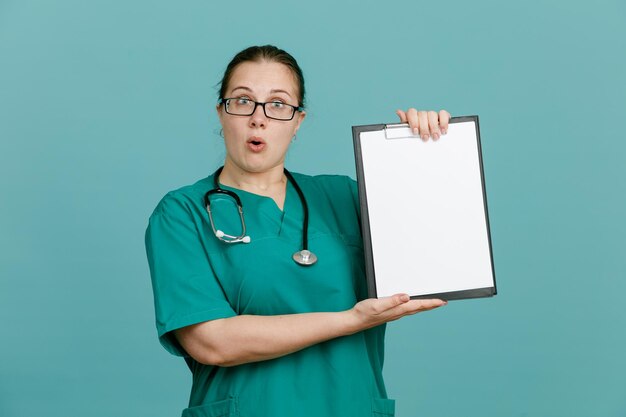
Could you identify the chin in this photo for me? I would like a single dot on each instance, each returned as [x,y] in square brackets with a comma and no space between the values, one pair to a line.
[258,168]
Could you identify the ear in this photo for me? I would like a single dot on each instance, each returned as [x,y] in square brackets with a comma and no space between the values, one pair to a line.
[299,120]
[219,109]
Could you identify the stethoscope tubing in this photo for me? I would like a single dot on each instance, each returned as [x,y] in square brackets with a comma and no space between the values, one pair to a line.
[305,207]
[303,257]
[226,238]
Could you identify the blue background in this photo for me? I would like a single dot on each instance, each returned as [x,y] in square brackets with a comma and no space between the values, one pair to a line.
[105,106]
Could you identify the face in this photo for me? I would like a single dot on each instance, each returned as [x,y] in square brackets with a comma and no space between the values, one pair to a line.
[255,143]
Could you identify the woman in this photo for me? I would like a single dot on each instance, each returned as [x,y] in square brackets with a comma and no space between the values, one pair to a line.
[263,335]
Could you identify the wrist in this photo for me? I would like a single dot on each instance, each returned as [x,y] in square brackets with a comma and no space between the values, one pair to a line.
[350,322]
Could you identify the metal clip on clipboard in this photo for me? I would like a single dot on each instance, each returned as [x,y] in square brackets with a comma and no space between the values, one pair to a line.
[399,131]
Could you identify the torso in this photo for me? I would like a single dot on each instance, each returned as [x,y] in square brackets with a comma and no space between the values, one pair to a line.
[341,377]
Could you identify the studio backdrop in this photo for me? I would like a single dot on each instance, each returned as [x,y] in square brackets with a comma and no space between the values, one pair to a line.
[107,105]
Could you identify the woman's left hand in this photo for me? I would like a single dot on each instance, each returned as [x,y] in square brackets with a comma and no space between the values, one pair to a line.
[426,123]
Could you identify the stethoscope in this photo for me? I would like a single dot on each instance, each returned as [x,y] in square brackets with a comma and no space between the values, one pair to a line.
[303,257]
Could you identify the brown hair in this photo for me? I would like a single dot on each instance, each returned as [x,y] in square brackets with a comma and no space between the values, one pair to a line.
[264,53]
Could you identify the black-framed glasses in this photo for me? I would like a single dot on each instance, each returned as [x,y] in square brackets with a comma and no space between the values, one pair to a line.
[277,110]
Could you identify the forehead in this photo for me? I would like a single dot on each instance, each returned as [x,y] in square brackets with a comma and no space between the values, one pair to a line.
[263,77]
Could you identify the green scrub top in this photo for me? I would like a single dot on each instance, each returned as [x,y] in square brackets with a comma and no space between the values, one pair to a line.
[196,278]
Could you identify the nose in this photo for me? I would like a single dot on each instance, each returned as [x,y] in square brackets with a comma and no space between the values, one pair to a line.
[258,118]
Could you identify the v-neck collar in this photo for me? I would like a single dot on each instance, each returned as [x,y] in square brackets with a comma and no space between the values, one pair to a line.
[266,200]
[262,212]
[267,208]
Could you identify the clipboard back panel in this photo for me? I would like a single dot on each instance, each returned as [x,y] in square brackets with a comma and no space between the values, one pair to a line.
[426,215]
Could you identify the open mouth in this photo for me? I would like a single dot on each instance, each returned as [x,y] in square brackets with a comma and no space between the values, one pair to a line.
[256,144]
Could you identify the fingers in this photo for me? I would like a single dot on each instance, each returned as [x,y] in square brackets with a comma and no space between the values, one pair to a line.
[417,306]
[384,304]
[433,124]
[373,312]
[399,305]
[412,119]
[401,115]
[426,124]
[444,119]
[418,122]
[423,128]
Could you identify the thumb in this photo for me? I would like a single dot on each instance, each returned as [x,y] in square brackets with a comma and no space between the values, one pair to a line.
[395,300]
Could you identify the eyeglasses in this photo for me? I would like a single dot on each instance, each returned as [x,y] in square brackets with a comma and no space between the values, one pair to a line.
[276,110]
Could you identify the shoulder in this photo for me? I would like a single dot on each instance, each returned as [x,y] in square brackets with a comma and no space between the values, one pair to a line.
[186,199]
[337,189]
[330,183]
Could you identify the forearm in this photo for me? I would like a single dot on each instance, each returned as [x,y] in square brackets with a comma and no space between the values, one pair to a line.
[242,339]
[247,338]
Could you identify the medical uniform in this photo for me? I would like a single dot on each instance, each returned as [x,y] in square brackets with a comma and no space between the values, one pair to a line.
[196,278]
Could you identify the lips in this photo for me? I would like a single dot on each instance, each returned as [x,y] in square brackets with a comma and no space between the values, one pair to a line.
[256,144]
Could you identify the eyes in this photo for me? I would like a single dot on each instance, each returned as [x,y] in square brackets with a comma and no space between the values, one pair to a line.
[242,101]
[275,108]
[276,104]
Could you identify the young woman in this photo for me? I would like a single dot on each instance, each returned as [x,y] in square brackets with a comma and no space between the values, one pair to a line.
[267,328]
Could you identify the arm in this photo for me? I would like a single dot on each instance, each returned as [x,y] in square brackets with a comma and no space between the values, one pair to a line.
[247,338]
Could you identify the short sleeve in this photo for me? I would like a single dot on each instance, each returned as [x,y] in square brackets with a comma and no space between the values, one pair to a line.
[186,290]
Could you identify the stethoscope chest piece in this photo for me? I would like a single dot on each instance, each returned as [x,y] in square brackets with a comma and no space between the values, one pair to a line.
[304,257]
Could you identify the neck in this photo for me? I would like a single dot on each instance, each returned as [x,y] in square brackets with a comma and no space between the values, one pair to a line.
[264,183]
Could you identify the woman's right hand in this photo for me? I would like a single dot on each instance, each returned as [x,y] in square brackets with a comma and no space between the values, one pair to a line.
[375,311]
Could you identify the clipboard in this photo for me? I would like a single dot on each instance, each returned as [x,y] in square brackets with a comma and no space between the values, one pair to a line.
[424,213]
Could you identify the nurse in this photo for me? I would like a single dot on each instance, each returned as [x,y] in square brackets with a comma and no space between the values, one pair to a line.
[263,335]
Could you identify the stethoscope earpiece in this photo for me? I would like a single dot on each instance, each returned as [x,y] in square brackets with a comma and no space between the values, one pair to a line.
[304,257]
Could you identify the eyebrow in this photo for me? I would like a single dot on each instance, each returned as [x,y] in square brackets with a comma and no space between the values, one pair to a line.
[280,91]
[271,91]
